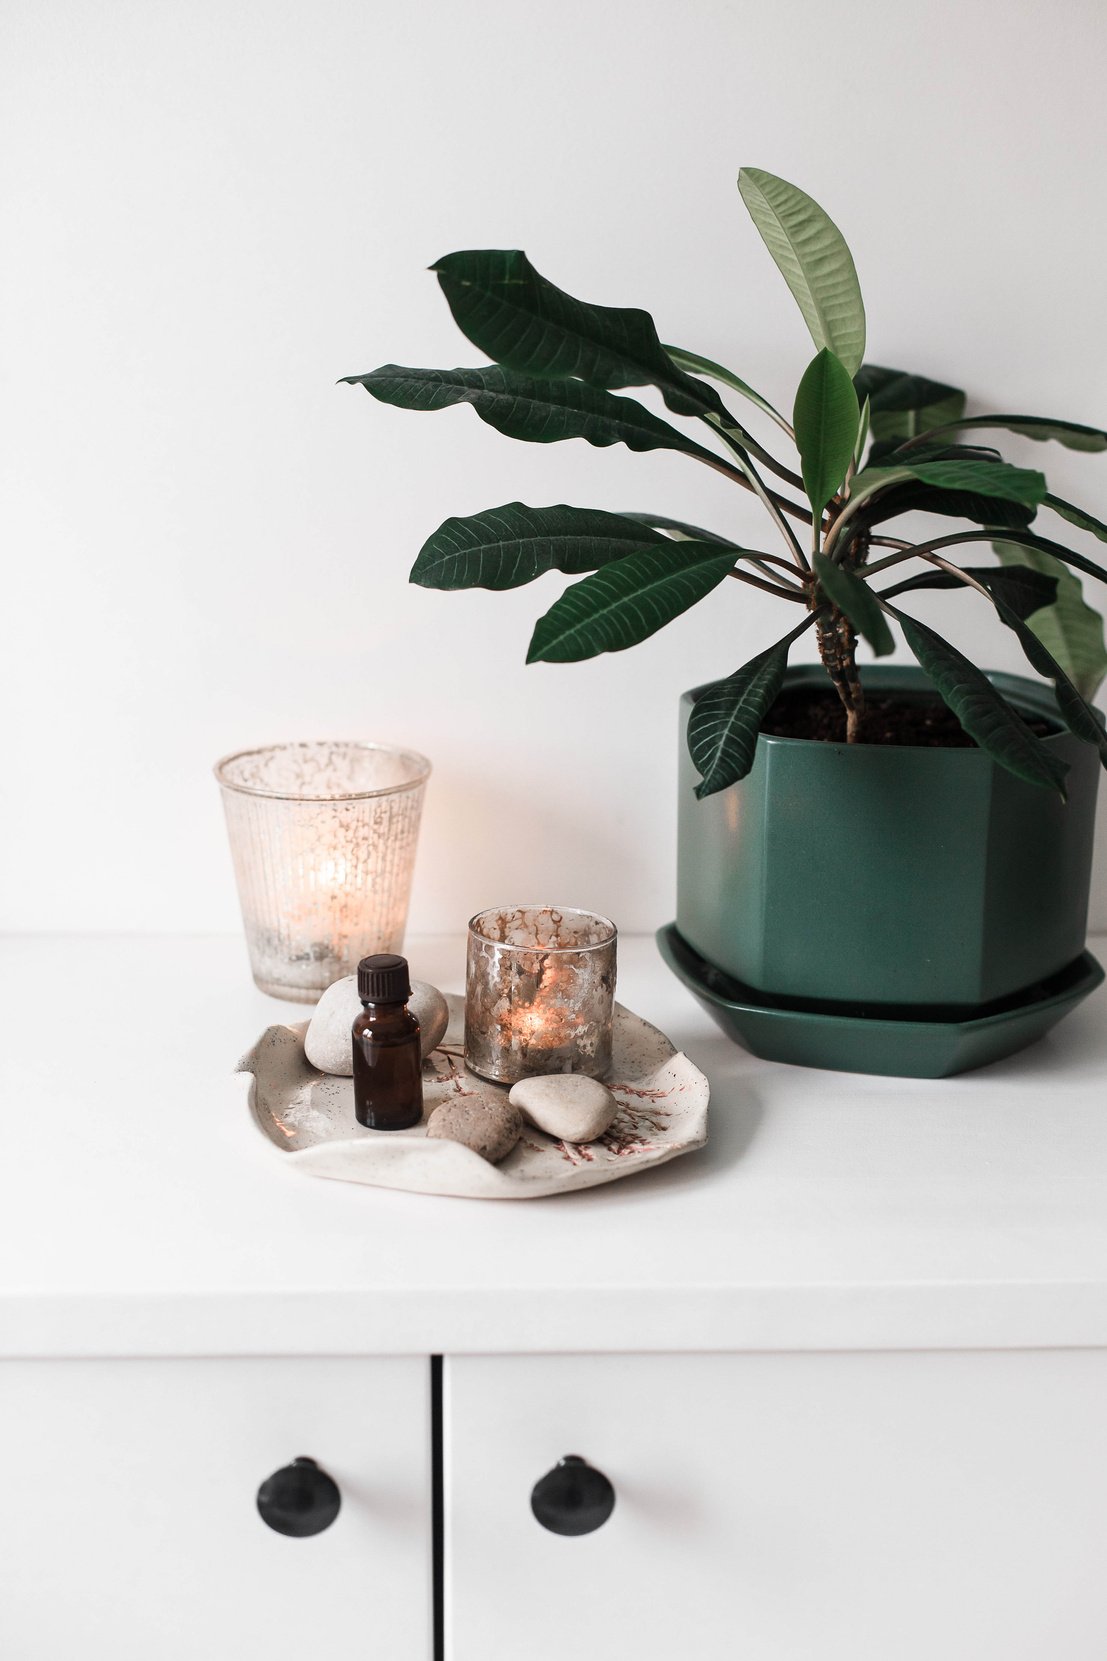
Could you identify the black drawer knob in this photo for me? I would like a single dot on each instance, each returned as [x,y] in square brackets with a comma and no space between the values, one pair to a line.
[299,1499]
[573,1498]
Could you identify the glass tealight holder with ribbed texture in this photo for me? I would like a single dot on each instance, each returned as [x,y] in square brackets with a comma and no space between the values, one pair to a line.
[323,839]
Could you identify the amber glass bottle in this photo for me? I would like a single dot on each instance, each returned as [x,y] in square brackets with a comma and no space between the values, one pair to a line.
[388,1067]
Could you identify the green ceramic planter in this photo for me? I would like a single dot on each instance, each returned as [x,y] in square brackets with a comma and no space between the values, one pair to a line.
[885,875]
[902,1043]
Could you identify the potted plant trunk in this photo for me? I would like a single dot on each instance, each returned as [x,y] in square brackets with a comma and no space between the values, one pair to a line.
[881,868]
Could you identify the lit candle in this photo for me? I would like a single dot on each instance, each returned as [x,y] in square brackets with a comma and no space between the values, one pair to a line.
[323,839]
[539,992]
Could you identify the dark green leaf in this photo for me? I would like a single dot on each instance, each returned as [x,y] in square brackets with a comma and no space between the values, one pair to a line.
[507,546]
[997,479]
[889,452]
[896,390]
[725,377]
[904,405]
[727,715]
[541,412]
[691,533]
[811,255]
[524,322]
[985,715]
[857,600]
[913,497]
[1077,516]
[1029,539]
[1068,628]
[626,602]
[826,419]
[1069,433]
[1078,716]
[1024,590]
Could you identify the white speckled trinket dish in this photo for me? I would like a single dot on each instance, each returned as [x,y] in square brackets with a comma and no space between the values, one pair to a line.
[309,1117]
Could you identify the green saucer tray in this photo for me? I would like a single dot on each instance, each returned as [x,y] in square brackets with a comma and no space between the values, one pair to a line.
[897,1041]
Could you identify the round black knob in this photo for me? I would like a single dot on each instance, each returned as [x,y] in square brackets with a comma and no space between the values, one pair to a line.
[573,1498]
[299,1499]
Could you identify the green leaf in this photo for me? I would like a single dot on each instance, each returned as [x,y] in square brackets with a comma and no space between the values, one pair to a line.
[725,377]
[811,255]
[987,478]
[1024,590]
[1042,544]
[727,715]
[1069,629]
[1069,433]
[507,546]
[913,497]
[905,405]
[626,602]
[826,420]
[504,306]
[1078,716]
[857,600]
[985,715]
[681,529]
[538,411]
[1077,516]
[864,426]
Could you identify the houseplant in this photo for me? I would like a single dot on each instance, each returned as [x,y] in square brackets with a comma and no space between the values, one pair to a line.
[962,930]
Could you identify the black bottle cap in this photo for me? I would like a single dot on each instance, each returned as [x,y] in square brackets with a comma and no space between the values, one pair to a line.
[383,979]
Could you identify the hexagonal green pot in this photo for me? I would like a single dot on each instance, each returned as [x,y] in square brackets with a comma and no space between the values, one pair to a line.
[881,875]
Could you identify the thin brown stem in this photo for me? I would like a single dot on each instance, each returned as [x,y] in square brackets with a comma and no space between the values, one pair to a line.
[770,588]
[768,498]
[784,503]
[988,534]
[956,571]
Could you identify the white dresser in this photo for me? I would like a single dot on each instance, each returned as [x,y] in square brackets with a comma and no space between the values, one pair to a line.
[845,1369]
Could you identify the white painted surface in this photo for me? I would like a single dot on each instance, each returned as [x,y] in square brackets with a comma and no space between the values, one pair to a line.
[141,1211]
[216,211]
[849,1507]
[129,1526]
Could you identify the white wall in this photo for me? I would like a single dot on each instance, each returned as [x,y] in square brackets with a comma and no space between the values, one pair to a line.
[217,207]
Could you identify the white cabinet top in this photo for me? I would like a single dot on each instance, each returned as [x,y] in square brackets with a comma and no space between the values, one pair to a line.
[143,1213]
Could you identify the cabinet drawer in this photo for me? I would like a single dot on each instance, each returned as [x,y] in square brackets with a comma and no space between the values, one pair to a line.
[129,1528]
[783,1507]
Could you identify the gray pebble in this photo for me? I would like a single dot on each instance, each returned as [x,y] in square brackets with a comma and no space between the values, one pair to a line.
[489,1128]
[328,1045]
[566,1105]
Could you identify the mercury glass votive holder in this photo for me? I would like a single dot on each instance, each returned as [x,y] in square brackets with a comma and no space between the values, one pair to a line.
[539,992]
[323,840]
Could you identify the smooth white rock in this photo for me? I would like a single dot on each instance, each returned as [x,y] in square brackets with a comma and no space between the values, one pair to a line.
[328,1045]
[566,1105]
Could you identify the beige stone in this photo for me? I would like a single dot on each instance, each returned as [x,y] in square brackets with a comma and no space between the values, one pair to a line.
[566,1105]
[489,1128]
[328,1046]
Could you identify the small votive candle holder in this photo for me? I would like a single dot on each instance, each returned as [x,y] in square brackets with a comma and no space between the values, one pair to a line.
[323,840]
[539,993]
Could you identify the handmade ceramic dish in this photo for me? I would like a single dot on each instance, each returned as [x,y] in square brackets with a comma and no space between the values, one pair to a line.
[309,1117]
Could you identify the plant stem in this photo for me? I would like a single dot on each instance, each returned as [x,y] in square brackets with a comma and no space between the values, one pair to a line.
[919,550]
[838,651]
[770,588]
[956,571]
[768,498]
[784,503]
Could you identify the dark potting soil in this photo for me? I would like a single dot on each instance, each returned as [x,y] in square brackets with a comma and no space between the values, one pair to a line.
[908,719]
